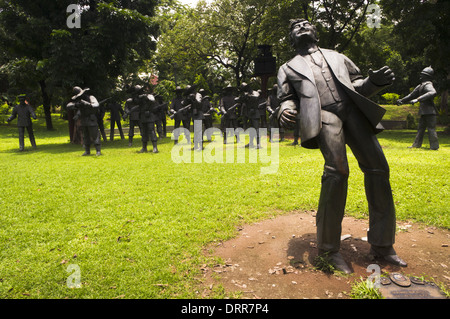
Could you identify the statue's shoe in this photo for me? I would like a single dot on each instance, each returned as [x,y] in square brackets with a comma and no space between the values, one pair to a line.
[390,257]
[337,261]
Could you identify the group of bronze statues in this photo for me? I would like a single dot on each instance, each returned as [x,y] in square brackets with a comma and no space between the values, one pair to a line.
[321,94]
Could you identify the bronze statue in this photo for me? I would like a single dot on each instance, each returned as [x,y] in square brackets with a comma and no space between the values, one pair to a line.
[146,106]
[208,111]
[24,112]
[228,108]
[272,107]
[262,106]
[100,116]
[194,99]
[424,93]
[161,120]
[250,100]
[116,111]
[87,107]
[179,113]
[132,111]
[327,93]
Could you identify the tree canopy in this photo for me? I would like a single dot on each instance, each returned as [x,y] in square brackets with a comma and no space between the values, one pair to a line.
[40,51]
[213,44]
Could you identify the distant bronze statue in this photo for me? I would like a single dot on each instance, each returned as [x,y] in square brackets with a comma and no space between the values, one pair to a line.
[147,117]
[424,93]
[24,112]
[132,112]
[87,107]
[250,100]
[194,99]
[116,111]
[146,105]
[327,93]
[228,107]
[161,120]
[262,105]
[272,107]
[100,116]
[180,114]
[208,111]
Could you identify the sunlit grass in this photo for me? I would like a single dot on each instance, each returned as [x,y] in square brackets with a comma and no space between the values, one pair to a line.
[136,224]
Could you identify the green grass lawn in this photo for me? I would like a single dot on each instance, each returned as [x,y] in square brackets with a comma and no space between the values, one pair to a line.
[400,112]
[136,224]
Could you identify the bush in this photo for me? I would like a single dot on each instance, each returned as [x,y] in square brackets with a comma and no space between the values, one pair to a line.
[40,111]
[391,98]
[4,112]
[411,122]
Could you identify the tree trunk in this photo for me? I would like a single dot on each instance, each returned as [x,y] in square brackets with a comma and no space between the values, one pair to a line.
[47,105]
[444,103]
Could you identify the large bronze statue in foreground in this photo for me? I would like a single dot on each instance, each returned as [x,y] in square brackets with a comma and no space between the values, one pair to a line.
[327,93]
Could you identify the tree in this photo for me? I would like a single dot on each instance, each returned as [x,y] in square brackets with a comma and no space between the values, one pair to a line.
[225,34]
[421,29]
[219,37]
[114,39]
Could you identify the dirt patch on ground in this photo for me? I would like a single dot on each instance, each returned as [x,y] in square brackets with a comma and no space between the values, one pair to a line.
[274,259]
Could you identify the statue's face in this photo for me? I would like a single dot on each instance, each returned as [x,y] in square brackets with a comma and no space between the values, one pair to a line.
[303,31]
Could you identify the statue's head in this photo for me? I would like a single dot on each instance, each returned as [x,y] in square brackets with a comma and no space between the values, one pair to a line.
[138,89]
[78,91]
[427,73]
[178,91]
[302,30]
[244,87]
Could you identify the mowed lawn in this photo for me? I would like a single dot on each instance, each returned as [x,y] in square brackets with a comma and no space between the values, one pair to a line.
[136,225]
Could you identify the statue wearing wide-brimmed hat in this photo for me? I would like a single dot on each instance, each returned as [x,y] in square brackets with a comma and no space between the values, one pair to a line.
[87,107]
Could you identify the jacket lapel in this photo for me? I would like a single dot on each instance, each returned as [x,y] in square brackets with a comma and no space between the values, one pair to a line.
[336,66]
[299,65]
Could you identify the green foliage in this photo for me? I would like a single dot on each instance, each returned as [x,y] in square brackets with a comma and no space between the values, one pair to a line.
[4,111]
[166,89]
[40,111]
[46,59]
[411,122]
[391,98]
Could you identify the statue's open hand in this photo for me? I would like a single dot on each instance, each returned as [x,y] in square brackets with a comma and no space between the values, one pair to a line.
[287,118]
[383,76]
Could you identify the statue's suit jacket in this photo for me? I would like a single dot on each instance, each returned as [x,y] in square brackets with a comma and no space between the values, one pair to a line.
[297,91]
